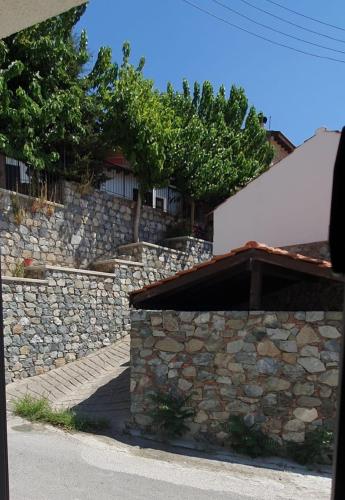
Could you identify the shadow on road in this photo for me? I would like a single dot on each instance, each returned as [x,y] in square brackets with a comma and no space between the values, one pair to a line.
[112,402]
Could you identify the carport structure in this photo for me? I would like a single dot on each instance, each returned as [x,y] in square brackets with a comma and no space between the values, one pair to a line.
[252,277]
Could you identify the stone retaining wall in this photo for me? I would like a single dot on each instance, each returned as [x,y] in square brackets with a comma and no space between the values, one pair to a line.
[279,369]
[82,230]
[318,249]
[164,259]
[58,313]
[65,314]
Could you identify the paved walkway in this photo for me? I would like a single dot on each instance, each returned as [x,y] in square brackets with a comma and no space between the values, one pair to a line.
[97,385]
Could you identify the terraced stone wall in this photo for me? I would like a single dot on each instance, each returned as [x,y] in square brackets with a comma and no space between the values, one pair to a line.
[277,369]
[62,314]
[85,228]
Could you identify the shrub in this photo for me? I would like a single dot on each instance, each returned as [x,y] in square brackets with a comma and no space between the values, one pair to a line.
[249,440]
[40,410]
[170,414]
[178,229]
[316,448]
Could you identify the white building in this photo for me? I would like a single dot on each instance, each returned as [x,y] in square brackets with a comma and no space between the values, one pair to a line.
[287,205]
[15,15]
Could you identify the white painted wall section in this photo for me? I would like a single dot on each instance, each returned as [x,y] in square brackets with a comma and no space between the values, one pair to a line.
[289,204]
[15,15]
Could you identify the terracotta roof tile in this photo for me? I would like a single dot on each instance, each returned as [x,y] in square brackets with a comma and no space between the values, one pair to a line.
[248,246]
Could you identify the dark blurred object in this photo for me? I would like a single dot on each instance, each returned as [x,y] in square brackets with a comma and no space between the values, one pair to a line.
[337,223]
[4,493]
[337,247]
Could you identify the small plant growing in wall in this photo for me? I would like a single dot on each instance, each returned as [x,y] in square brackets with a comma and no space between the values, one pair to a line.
[170,413]
[86,184]
[316,448]
[249,440]
[19,269]
[17,209]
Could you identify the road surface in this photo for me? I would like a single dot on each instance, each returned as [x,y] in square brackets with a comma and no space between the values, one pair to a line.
[49,464]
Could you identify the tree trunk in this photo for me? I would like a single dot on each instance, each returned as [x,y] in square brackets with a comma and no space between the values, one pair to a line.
[137,218]
[192,216]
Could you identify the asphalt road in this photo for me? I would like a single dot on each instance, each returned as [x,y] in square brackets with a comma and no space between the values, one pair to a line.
[48,464]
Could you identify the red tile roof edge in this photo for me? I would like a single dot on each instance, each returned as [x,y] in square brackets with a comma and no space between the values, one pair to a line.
[248,246]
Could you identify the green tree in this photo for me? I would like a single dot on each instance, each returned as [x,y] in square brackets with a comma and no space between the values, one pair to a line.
[220,144]
[143,126]
[52,109]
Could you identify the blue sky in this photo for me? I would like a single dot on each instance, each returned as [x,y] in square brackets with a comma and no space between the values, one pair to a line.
[299,93]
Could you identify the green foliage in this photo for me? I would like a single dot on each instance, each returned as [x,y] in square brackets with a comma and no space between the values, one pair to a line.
[61,113]
[250,440]
[19,270]
[51,107]
[39,410]
[177,229]
[17,209]
[317,447]
[219,144]
[141,122]
[170,414]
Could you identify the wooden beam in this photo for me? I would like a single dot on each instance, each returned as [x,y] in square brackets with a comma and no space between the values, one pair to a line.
[218,271]
[255,292]
[301,266]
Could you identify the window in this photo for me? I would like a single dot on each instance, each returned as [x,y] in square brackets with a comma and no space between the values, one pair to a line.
[160,203]
[148,197]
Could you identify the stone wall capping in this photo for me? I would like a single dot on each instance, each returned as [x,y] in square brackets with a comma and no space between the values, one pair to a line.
[187,238]
[116,261]
[15,279]
[44,268]
[27,197]
[141,244]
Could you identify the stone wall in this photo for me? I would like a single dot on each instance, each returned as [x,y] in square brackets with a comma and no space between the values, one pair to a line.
[167,260]
[58,314]
[278,369]
[190,245]
[65,314]
[82,230]
[318,249]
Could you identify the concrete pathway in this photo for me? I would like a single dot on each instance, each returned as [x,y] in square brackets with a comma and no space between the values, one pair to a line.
[97,385]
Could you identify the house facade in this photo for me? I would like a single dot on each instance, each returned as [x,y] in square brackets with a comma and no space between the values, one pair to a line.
[288,205]
[120,181]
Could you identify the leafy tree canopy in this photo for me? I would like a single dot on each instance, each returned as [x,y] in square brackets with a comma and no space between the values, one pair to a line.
[141,122]
[220,144]
[51,106]
[60,112]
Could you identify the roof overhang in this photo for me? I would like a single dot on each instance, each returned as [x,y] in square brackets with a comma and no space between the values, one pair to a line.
[16,15]
[240,271]
[282,140]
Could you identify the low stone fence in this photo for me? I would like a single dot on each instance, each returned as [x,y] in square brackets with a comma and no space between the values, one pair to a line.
[165,259]
[51,321]
[85,228]
[278,369]
[58,314]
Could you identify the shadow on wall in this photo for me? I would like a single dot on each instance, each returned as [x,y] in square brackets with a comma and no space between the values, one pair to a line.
[97,223]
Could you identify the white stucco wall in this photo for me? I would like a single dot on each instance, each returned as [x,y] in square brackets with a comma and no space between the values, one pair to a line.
[287,205]
[16,15]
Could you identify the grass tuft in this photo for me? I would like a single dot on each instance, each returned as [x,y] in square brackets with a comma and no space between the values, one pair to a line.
[40,410]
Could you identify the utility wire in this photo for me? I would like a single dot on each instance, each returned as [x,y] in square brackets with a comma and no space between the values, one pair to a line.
[221,19]
[307,17]
[292,23]
[275,30]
